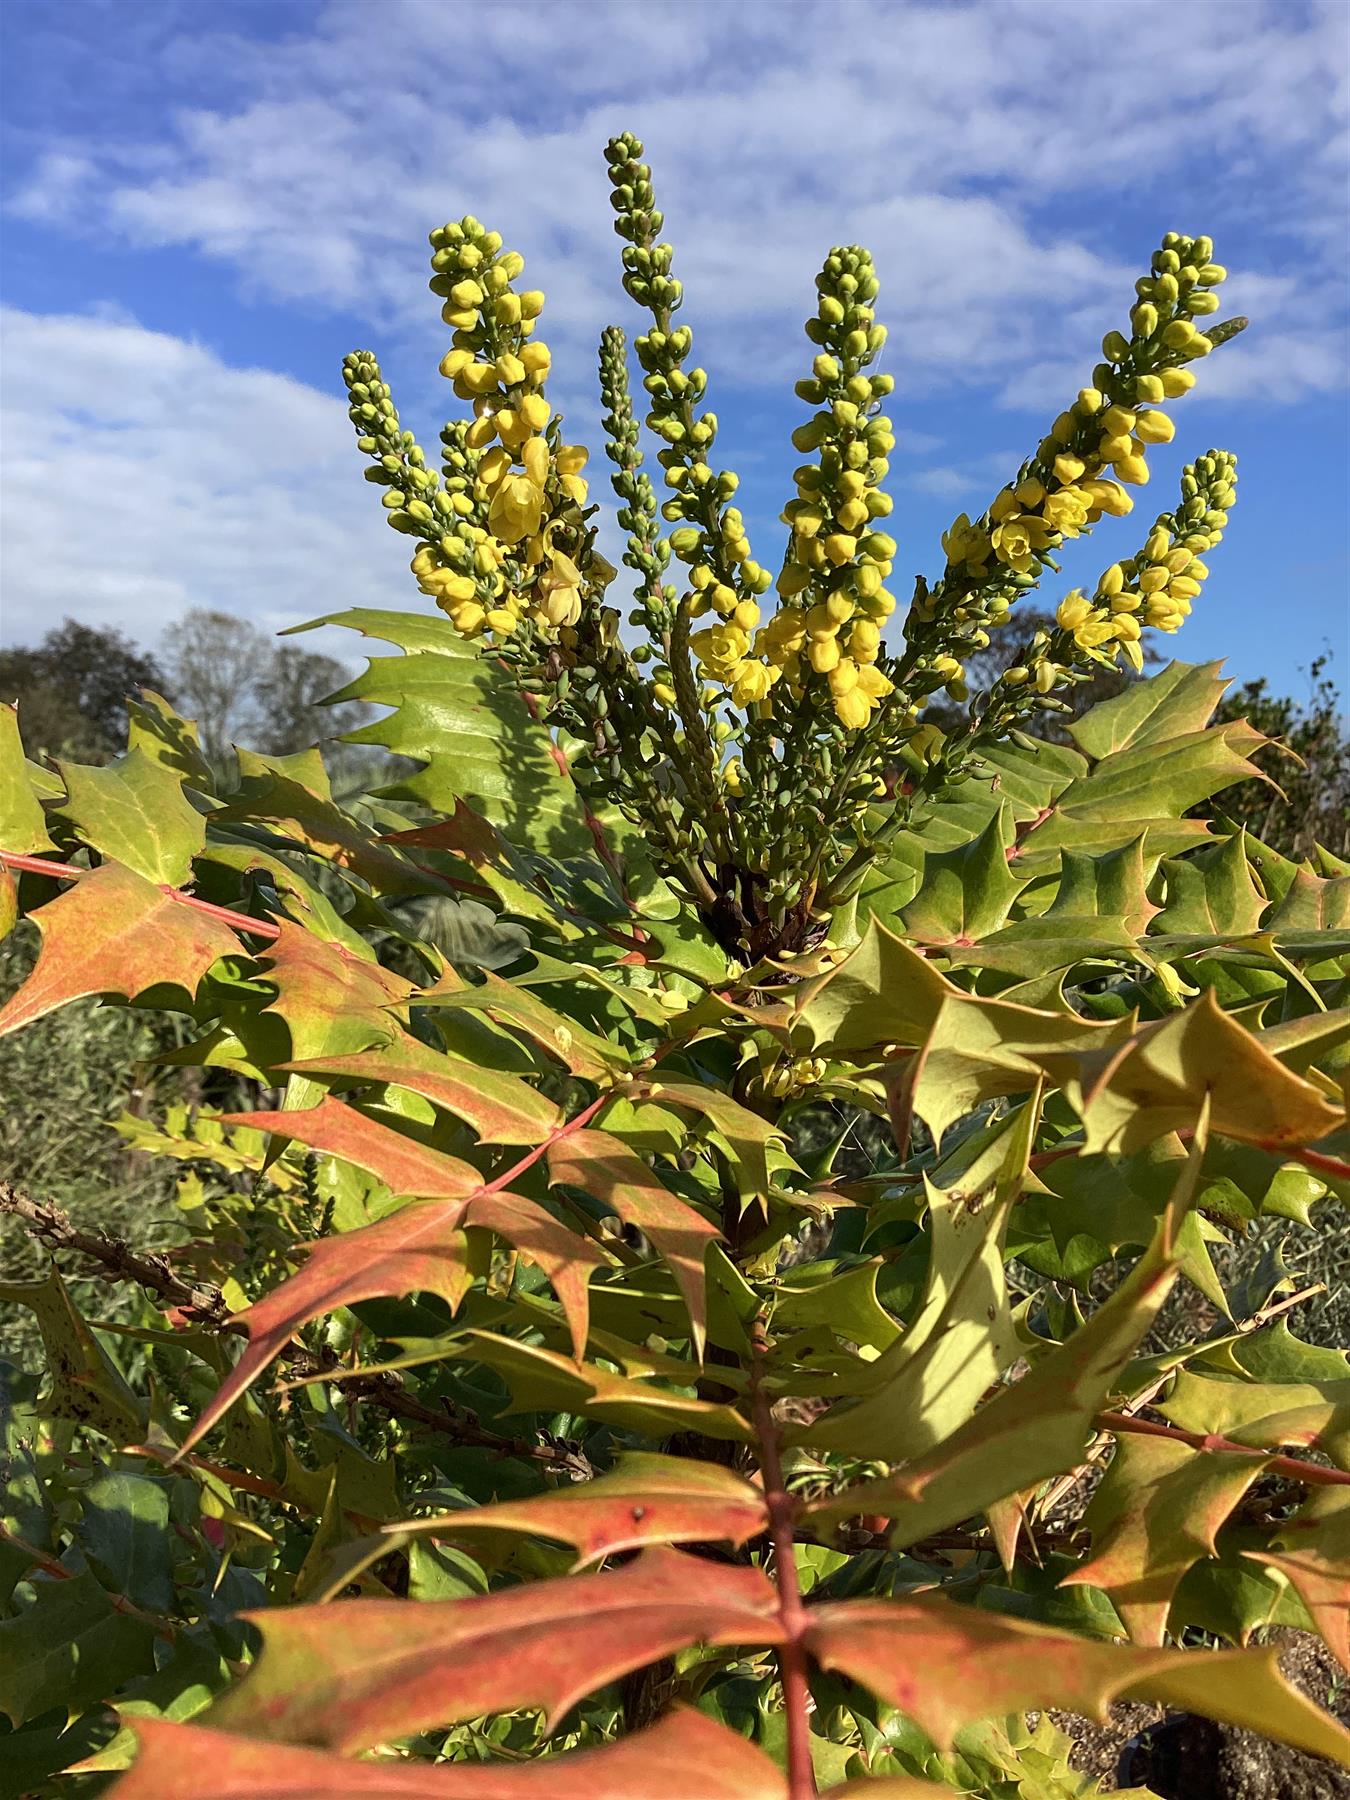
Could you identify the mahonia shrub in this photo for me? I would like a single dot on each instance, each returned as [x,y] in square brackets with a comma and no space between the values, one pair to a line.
[677,1314]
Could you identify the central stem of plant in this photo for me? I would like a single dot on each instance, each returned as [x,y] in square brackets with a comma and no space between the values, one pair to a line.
[791,1611]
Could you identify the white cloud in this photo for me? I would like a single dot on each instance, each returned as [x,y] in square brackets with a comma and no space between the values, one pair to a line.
[970,145]
[142,476]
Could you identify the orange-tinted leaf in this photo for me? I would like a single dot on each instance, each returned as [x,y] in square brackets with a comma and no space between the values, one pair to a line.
[193,1762]
[947,1665]
[421,1248]
[331,999]
[1156,1514]
[116,933]
[1314,1555]
[647,1500]
[364,1671]
[600,1165]
[501,1108]
[407,1168]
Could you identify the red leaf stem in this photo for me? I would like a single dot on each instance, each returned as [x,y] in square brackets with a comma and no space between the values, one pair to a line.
[38,865]
[1292,1467]
[791,1611]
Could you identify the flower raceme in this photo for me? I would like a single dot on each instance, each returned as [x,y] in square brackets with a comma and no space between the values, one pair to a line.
[756,740]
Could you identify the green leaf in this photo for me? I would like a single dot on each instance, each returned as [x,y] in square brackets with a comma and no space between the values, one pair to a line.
[965,894]
[457,713]
[71,1649]
[1177,700]
[1213,892]
[135,812]
[124,1528]
[23,828]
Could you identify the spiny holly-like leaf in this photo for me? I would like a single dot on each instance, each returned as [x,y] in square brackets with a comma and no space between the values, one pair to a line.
[293,793]
[582,1051]
[114,932]
[71,1648]
[745,1133]
[946,1665]
[1156,1514]
[501,1108]
[135,812]
[1110,886]
[1312,1550]
[83,1382]
[124,1531]
[1212,892]
[646,1500]
[1264,1414]
[393,1668]
[1039,1426]
[194,1762]
[501,870]
[1313,904]
[417,1249]
[1178,700]
[929,1381]
[23,828]
[600,1165]
[541,1380]
[968,893]
[1157,780]
[457,713]
[1152,1085]
[330,998]
[157,731]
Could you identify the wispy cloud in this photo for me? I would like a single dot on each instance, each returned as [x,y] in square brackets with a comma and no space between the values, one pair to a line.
[142,475]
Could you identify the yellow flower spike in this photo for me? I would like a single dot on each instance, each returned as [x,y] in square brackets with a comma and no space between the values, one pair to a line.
[1110,497]
[1073,610]
[1155,428]
[1069,469]
[479,378]
[864,641]
[751,683]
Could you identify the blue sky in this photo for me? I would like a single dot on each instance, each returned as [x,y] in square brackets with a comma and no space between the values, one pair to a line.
[205,207]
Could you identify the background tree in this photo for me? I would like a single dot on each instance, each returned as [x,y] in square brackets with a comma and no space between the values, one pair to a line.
[1311,804]
[74,687]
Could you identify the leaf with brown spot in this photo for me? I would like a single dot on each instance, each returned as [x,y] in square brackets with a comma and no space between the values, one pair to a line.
[646,1500]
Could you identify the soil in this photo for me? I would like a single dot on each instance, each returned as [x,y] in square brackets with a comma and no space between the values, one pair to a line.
[1181,1756]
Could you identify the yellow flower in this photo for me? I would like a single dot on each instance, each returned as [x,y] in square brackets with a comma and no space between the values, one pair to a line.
[852,709]
[753,681]
[1016,540]
[1072,610]
[517,509]
[966,544]
[1068,468]
[1067,510]
[1155,428]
